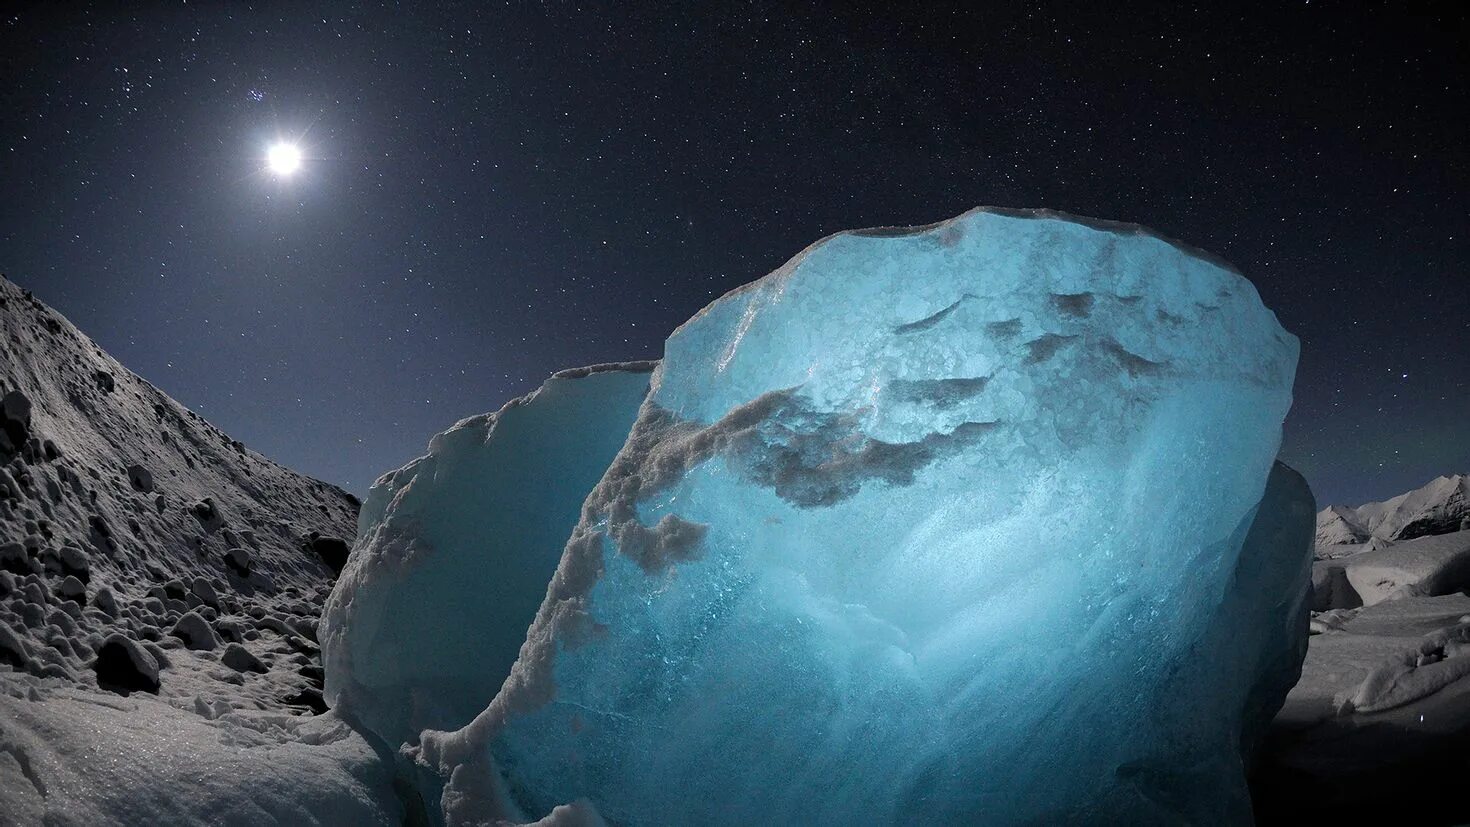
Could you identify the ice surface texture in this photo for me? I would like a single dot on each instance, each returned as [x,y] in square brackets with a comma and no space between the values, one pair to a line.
[949,525]
[454,552]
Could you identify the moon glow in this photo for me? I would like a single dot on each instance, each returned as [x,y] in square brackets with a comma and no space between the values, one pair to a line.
[283,158]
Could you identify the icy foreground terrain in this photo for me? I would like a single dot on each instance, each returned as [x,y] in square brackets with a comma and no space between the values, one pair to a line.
[1382,711]
[159,590]
[974,523]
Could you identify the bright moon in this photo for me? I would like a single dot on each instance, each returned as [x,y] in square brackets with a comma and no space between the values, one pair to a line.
[283,159]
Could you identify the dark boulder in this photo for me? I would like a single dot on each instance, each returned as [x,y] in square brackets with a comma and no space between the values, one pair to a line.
[332,550]
[124,666]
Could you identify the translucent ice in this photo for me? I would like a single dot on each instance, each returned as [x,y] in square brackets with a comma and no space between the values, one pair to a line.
[962,524]
[454,552]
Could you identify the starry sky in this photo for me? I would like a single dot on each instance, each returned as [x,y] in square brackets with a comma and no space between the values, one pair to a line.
[494,192]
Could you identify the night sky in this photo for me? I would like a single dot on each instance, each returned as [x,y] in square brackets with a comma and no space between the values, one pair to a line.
[492,193]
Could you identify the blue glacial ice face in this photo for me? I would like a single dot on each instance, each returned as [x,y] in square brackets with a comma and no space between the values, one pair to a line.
[454,552]
[956,525]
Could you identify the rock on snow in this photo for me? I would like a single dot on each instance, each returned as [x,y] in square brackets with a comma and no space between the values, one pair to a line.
[901,533]
[123,664]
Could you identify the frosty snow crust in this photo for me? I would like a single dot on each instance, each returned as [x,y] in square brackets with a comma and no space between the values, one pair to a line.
[907,530]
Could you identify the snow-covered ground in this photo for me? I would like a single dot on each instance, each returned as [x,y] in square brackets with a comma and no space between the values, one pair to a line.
[160,586]
[1378,727]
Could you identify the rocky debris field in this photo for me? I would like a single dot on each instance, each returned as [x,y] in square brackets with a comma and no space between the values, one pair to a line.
[146,560]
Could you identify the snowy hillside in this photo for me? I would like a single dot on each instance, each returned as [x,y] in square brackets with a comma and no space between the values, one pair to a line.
[1338,526]
[160,585]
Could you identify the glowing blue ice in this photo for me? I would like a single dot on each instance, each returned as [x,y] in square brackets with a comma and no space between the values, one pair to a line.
[454,551]
[951,525]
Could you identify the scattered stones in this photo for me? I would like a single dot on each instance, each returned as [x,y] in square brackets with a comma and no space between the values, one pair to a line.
[33,615]
[50,561]
[202,589]
[101,533]
[314,673]
[15,421]
[207,513]
[332,550]
[239,561]
[156,650]
[74,561]
[13,650]
[9,488]
[53,670]
[103,497]
[105,601]
[305,627]
[240,659]
[34,593]
[309,698]
[231,630]
[14,558]
[63,622]
[72,589]
[277,624]
[124,666]
[195,632]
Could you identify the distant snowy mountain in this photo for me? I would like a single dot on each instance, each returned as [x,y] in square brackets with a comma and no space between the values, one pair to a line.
[160,585]
[1338,525]
[1439,507]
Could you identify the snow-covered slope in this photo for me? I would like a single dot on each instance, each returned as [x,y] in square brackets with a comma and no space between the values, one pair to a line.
[1442,505]
[1338,525]
[160,585]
